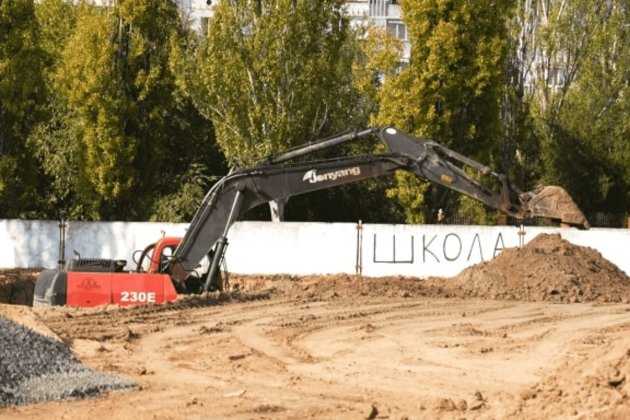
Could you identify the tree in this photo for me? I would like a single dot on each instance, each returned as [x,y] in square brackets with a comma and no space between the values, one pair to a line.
[136,135]
[451,90]
[518,144]
[274,74]
[581,101]
[54,138]
[378,62]
[21,85]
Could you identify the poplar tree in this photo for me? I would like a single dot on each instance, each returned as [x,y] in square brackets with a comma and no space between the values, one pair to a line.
[54,140]
[451,90]
[21,86]
[581,101]
[137,139]
[274,74]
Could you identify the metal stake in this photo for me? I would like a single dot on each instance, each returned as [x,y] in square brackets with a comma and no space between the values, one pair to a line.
[359,261]
[62,242]
[521,236]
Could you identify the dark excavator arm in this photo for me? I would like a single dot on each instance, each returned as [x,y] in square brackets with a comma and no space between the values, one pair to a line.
[274,179]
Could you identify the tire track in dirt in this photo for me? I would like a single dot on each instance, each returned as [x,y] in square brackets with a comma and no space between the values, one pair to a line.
[335,358]
[126,323]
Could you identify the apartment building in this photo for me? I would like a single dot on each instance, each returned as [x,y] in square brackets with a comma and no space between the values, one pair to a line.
[384,13]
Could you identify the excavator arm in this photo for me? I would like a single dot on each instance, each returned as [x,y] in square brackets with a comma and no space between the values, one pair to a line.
[277,177]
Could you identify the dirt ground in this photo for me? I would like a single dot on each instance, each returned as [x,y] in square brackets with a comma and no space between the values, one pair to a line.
[539,332]
[16,286]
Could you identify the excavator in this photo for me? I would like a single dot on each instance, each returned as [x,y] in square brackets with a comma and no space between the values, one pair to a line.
[164,268]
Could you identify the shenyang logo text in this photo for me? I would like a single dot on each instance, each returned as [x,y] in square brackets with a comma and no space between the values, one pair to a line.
[312,176]
[88,283]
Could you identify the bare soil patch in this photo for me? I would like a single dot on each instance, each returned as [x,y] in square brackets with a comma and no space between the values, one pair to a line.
[549,269]
[17,285]
[538,332]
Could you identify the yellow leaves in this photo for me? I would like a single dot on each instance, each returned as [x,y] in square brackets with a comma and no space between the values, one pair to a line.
[444,50]
[376,67]
[108,156]
[87,61]
[409,192]
[145,81]
[450,91]
[86,81]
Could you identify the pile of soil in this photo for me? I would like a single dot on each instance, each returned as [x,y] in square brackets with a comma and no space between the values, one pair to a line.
[17,285]
[548,268]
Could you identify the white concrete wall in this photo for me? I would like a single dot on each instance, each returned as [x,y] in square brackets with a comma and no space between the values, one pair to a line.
[409,250]
[36,243]
[302,248]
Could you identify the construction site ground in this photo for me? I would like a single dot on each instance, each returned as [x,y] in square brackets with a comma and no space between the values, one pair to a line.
[538,332]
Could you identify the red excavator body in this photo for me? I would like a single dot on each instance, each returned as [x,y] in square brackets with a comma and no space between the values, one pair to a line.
[124,289]
[94,282]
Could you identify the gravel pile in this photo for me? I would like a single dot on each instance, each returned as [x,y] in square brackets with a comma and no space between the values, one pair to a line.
[35,368]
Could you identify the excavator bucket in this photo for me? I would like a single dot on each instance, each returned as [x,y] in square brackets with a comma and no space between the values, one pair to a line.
[555,203]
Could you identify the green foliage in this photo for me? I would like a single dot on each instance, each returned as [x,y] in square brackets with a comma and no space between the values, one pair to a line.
[132,135]
[56,147]
[273,74]
[21,87]
[451,90]
[180,206]
[473,209]
[57,20]
[105,112]
[518,146]
[583,124]
[409,191]
[377,63]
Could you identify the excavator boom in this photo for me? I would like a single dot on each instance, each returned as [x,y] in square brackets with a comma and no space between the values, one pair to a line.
[278,177]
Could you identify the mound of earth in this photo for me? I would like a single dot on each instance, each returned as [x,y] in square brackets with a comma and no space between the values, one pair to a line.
[17,285]
[548,268]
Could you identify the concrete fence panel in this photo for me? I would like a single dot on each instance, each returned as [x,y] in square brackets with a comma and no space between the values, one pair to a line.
[302,248]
